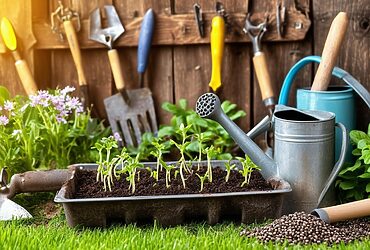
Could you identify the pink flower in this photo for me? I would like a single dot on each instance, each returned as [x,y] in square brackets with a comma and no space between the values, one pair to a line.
[4,120]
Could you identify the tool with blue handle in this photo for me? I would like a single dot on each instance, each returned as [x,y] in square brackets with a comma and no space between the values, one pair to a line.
[131,120]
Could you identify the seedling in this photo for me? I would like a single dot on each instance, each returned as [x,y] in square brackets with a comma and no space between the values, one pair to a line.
[248,168]
[228,167]
[132,165]
[202,179]
[106,166]
[158,154]
[182,131]
[211,153]
[168,169]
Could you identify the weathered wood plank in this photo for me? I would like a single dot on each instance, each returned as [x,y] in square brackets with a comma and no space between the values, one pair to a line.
[355,52]
[179,29]
[193,65]
[280,58]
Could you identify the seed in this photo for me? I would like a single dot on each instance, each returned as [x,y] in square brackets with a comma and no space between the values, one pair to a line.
[302,228]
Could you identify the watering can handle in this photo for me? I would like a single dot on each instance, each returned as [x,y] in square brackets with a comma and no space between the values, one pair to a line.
[338,165]
[337,72]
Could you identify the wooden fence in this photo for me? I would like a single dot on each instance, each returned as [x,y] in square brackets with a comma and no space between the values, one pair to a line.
[180,60]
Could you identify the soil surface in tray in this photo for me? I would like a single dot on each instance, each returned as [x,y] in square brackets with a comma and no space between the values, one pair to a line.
[88,187]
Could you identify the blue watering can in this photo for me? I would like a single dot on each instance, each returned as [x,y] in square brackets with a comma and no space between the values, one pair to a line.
[339,100]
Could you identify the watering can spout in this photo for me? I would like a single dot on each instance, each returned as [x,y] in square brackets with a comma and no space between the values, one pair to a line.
[209,106]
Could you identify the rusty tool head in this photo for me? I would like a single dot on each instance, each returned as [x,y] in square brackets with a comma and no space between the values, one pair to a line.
[113,29]
[255,32]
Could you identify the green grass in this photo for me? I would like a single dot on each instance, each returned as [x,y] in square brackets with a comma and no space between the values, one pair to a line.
[41,233]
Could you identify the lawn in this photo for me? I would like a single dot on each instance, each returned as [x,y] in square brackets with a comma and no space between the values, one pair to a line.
[53,233]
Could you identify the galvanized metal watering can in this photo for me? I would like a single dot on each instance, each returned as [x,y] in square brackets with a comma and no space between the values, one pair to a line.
[303,150]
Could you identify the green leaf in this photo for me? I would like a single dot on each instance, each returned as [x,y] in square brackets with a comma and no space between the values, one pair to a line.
[357,135]
[169,107]
[165,131]
[4,95]
[363,143]
[227,106]
[359,195]
[368,188]
[237,115]
[183,103]
[357,152]
[365,176]
[346,185]
[193,146]
[368,130]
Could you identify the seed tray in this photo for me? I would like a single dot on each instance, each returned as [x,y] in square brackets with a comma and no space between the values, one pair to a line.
[169,210]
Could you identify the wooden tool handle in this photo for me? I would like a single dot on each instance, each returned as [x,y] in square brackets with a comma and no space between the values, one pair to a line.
[330,52]
[38,181]
[348,211]
[116,69]
[75,50]
[26,77]
[263,75]
[217,50]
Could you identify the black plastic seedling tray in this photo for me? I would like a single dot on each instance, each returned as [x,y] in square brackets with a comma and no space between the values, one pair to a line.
[167,210]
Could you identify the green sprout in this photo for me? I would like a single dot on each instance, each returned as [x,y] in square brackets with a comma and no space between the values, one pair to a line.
[158,154]
[202,179]
[106,165]
[182,131]
[168,169]
[248,168]
[228,167]
[132,165]
[211,153]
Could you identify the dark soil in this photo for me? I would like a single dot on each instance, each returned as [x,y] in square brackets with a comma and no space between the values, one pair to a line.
[88,187]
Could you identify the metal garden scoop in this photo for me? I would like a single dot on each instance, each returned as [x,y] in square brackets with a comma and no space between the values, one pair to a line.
[130,112]
[32,181]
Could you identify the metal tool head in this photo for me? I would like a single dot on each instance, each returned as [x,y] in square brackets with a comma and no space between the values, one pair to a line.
[255,32]
[113,29]
[131,121]
[60,15]
[199,18]
[9,210]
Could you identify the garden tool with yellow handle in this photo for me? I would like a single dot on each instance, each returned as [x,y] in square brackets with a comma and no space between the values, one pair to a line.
[217,47]
[24,72]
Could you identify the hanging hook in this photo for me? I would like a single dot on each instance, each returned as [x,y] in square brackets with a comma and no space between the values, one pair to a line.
[199,18]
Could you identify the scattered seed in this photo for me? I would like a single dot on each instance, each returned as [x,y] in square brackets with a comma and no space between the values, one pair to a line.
[303,228]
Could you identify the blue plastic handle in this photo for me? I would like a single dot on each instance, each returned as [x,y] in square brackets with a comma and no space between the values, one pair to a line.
[145,41]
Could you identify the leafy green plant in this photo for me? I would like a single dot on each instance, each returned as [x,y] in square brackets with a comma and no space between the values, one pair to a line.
[248,168]
[354,179]
[160,147]
[228,167]
[47,130]
[204,133]
[131,167]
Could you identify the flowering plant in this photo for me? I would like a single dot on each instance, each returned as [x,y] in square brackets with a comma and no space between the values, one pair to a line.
[47,130]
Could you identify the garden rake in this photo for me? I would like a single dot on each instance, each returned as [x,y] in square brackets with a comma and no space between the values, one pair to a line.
[130,112]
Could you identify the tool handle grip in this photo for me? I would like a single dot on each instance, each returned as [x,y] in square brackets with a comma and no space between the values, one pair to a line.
[38,181]
[145,41]
[26,77]
[263,76]
[217,50]
[116,69]
[351,210]
[330,52]
[75,50]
